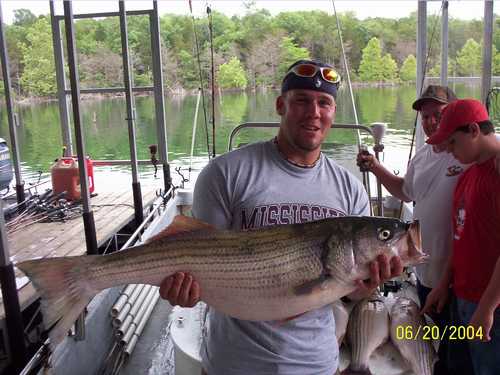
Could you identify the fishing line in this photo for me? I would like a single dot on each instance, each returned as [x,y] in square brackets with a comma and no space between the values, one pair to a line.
[365,174]
[426,61]
[201,88]
[210,30]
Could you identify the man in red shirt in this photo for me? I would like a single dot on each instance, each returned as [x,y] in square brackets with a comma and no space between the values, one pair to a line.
[473,269]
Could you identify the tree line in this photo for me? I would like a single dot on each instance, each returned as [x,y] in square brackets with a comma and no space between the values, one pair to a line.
[250,51]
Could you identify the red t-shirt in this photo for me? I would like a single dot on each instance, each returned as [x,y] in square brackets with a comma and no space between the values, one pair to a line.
[476,223]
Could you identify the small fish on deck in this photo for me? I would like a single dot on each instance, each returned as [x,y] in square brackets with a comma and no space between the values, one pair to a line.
[419,353]
[368,328]
[268,273]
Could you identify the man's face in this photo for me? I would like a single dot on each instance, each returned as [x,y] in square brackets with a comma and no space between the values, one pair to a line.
[430,113]
[463,146]
[306,117]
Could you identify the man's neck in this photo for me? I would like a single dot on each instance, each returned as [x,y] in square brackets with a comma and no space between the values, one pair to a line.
[490,147]
[297,156]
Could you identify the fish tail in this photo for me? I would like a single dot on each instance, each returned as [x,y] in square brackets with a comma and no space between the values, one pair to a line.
[349,371]
[63,288]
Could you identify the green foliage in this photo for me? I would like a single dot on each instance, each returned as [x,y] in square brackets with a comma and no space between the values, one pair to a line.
[408,71]
[370,68]
[86,39]
[232,75]
[496,64]
[187,65]
[389,69]
[290,53]
[38,77]
[264,45]
[144,79]
[23,17]
[469,58]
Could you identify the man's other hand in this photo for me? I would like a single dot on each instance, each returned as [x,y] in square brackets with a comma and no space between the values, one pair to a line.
[381,270]
[180,289]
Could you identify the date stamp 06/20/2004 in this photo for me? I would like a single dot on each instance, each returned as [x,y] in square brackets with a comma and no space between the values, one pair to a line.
[433,332]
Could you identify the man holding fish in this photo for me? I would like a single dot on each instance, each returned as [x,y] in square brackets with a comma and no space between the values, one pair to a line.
[280,238]
[286,180]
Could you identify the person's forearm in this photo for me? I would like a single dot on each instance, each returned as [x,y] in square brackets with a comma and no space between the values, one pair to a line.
[490,299]
[392,183]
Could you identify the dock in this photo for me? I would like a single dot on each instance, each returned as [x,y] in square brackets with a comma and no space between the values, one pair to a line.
[112,210]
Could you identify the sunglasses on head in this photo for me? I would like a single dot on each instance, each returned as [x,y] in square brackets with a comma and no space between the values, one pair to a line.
[310,70]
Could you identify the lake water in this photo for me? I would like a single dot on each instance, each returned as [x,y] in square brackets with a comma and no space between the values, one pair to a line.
[106,135]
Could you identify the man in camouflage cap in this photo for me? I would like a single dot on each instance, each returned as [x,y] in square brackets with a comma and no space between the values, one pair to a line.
[429,182]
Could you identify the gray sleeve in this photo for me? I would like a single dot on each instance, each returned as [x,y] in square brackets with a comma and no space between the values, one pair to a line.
[211,200]
[361,203]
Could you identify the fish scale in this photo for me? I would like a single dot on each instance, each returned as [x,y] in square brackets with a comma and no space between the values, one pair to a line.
[368,328]
[263,274]
[419,353]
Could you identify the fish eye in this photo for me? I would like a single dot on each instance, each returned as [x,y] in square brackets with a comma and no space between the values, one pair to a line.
[384,234]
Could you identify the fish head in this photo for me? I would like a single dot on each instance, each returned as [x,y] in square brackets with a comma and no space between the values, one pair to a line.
[406,309]
[358,240]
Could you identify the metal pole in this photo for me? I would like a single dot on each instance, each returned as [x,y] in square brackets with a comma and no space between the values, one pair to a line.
[10,116]
[13,316]
[444,45]
[61,82]
[136,185]
[212,78]
[159,95]
[421,48]
[487,49]
[88,217]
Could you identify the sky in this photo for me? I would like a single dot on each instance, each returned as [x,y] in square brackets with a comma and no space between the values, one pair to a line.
[463,9]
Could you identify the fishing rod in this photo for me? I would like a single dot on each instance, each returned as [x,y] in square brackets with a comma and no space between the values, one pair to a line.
[366,175]
[201,88]
[426,61]
[210,30]
[193,133]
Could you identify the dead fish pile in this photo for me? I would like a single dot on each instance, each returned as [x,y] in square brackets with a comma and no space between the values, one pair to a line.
[265,274]
[376,320]
[419,353]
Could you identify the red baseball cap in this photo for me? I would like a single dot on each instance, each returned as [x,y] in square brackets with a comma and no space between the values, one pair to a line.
[456,114]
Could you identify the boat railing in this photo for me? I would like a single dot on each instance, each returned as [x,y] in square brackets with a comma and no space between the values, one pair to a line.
[247,125]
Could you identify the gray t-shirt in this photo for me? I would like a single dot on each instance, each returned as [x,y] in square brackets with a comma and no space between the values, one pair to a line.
[255,187]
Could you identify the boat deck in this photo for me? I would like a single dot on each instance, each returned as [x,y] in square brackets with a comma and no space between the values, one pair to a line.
[112,211]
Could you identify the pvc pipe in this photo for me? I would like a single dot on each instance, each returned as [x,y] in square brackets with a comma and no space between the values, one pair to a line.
[124,296]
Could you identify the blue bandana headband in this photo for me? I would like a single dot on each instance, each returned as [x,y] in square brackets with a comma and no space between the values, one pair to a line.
[316,83]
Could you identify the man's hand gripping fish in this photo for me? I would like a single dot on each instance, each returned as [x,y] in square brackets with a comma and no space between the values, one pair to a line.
[269,273]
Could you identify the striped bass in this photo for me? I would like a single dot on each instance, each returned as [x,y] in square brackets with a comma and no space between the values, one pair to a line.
[341,317]
[368,328]
[419,353]
[270,273]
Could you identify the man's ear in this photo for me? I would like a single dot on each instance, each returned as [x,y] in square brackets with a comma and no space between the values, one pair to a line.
[474,129]
[280,105]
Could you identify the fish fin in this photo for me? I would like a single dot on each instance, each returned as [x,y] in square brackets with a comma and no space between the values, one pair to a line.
[63,289]
[313,286]
[182,224]
[286,320]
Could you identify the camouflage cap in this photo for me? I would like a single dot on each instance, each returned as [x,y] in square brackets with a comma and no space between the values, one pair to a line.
[441,94]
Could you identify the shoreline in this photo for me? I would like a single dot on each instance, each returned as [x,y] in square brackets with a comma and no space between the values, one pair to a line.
[181,92]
